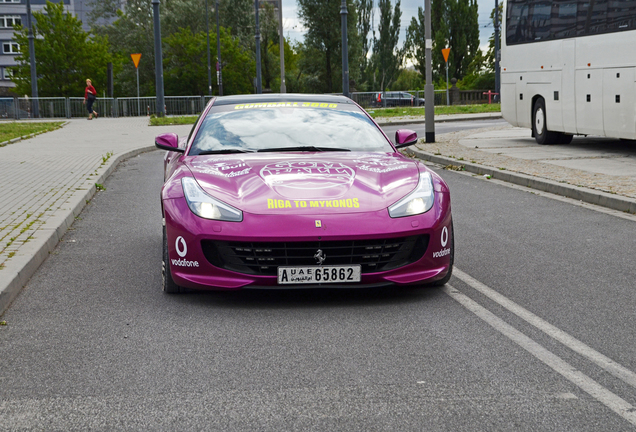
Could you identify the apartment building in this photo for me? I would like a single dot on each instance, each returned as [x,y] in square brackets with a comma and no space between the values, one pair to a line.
[14,12]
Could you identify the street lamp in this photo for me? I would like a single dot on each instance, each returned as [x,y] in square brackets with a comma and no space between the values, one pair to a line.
[207,26]
[345,53]
[281,42]
[219,64]
[257,37]
[429,90]
[161,110]
[497,71]
[34,75]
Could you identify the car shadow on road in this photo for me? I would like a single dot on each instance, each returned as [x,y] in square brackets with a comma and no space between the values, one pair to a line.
[311,298]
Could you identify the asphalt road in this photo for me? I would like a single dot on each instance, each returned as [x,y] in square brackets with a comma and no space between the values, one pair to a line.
[93,344]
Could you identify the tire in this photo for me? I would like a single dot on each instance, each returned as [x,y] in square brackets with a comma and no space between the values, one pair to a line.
[539,125]
[565,138]
[168,284]
[446,278]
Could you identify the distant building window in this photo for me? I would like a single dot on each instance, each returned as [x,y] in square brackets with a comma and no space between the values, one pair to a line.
[7,73]
[9,21]
[10,48]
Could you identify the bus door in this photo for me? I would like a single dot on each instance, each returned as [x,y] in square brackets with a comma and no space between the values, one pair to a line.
[567,96]
[618,100]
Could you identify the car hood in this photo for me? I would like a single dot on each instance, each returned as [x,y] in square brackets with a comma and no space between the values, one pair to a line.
[306,183]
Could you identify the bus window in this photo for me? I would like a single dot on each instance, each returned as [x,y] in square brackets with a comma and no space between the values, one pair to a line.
[517,22]
[596,21]
[620,15]
[540,21]
[564,19]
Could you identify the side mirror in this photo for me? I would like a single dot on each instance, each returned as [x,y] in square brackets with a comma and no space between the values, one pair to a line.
[168,141]
[405,137]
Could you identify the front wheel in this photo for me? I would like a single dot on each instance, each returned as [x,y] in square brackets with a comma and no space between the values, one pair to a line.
[540,129]
[166,275]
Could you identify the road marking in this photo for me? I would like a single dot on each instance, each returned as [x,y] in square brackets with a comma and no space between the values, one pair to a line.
[571,342]
[585,383]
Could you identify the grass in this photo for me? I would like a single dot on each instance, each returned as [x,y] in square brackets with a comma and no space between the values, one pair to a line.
[374,112]
[11,130]
[439,110]
[178,120]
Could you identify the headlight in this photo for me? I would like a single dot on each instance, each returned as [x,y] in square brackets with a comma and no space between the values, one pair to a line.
[417,202]
[203,205]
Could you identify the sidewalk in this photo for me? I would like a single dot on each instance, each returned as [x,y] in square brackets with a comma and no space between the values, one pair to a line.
[595,170]
[47,180]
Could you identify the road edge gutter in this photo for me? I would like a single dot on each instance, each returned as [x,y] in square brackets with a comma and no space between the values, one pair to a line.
[584,194]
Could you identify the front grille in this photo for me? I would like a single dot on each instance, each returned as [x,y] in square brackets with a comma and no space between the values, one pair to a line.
[263,258]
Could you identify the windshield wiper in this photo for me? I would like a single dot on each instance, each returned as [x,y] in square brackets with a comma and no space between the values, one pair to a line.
[224,151]
[302,148]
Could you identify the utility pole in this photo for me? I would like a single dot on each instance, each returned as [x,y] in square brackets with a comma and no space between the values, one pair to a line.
[281,42]
[34,75]
[497,71]
[429,90]
[161,105]
[219,65]
[345,52]
[207,26]
[257,36]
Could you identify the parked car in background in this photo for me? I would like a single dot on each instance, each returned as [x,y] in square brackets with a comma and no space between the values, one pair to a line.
[396,98]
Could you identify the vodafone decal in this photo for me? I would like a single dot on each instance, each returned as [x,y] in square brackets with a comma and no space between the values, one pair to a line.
[444,241]
[181,247]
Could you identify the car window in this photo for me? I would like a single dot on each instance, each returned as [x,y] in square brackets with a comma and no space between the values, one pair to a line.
[261,126]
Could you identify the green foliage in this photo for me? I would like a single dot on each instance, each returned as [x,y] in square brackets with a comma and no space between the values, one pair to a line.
[478,81]
[454,24]
[408,80]
[184,36]
[65,55]
[184,72]
[321,52]
[387,58]
[11,130]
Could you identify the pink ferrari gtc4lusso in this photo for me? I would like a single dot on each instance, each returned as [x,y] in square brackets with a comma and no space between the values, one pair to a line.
[299,191]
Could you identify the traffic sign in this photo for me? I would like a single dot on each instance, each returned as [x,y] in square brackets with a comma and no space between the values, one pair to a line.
[135,59]
[445,52]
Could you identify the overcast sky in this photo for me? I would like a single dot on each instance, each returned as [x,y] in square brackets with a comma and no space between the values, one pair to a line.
[294,30]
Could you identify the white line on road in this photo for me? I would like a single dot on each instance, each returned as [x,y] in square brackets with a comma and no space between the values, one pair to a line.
[571,342]
[587,384]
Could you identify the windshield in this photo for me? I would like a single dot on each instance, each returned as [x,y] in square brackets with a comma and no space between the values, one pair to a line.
[292,126]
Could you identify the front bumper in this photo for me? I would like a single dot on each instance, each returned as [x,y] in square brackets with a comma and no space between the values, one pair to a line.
[191,268]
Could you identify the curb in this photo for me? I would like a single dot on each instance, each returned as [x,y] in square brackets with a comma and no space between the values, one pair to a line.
[587,195]
[53,233]
[444,119]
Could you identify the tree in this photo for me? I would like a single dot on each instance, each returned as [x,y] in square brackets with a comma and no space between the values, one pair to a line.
[183,29]
[238,16]
[270,57]
[323,42]
[365,13]
[387,56]
[65,55]
[132,33]
[185,73]
[453,24]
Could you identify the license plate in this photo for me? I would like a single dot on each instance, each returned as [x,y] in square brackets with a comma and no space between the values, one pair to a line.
[318,274]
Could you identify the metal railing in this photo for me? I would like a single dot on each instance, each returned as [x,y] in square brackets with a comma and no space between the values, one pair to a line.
[74,107]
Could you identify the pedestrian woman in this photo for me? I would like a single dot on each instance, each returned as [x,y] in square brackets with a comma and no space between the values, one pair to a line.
[90,95]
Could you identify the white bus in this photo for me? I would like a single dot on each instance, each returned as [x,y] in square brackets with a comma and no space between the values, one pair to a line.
[568,68]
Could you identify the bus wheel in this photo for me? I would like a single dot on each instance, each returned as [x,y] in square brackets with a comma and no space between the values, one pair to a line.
[539,127]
